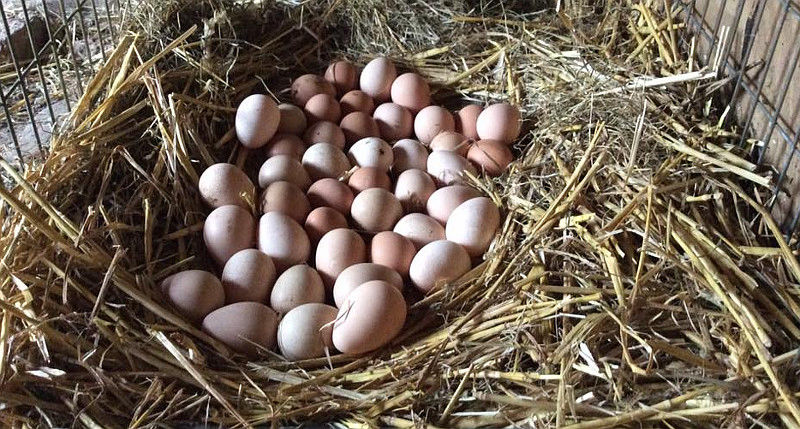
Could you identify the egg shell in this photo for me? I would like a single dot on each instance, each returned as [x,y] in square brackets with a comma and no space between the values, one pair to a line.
[447,167]
[293,120]
[431,121]
[225,184]
[227,230]
[337,250]
[245,327]
[451,141]
[323,160]
[356,101]
[444,200]
[490,156]
[420,228]
[376,210]
[408,154]
[372,315]
[369,177]
[305,331]
[309,85]
[413,188]
[257,119]
[394,121]
[298,285]
[371,152]
[283,167]
[332,193]
[467,120]
[321,220]
[500,121]
[438,261]
[285,144]
[283,240]
[322,107]
[358,274]
[411,91]
[194,293]
[473,225]
[324,132]
[377,77]
[287,198]
[392,250]
[248,276]
[343,75]
[357,126]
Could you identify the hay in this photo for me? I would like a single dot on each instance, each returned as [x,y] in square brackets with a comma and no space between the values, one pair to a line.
[637,280]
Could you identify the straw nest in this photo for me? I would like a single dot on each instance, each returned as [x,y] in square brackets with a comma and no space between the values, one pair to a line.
[637,281]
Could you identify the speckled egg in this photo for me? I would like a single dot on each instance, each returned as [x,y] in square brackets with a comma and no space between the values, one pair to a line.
[377,77]
[227,230]
[337,250]
[246,327]
[431,121]
[283,167]
[194,293]
[500,121]
[392,250]
[371,316]
[394,121]
[376,210]
[248,276]
[298,285]
[439,261]
[283,240]
[409,153]
[323,160]
[225,184]
[257,119]
[305,331]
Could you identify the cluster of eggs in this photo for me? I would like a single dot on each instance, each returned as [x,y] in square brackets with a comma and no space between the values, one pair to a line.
[346,219]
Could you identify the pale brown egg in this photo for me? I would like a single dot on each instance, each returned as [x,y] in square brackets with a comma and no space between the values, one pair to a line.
[343,75]
[473,225]
[413,188]
[376,210]
[358,274]
[248,276]
[293,120]
[285,144]
[500,121]
[337,250]
[298,285]
[332,193]
[448,167]
[411,91]
[444,200]
[323,160]
[377,77]
[451,141]
[322,220]
[371,316]
[283,167]
[225,184]
[305,331]
[394,121]
[322,107]
[439,261]
[359,125]
[491,156]
[194,293]
[287,198]
[391,249]
[283,240]
[467,120]
[408,154]
[324,132]
[227,230]
[431,121]
[371,152]
[369,177]
[246,327]
[257,119]
[356,101]
[420,228]
[309,85]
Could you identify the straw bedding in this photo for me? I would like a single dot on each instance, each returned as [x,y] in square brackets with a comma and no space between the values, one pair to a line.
[636,280]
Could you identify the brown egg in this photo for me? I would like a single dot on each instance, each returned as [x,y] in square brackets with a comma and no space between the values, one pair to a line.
[358,274]
[248,276]
[439,261]
[293,120]
[324,132]
[332,193]
[283,240]
[377,77]
[322,107]
[309,85]
[376,210]
[305,331]
[420,228]
[411,91]
[245,327]
[227,230]
[371,152]
[451,141]
[467,120]
[283,167]
[491,156]
[194,293]
[473,225]
[297,285]
[359,125]
[321,220]
[391,249]
[225,184]
[343,75]
[444,200]
[413,188]
[408,154]
[394,121]
[356,101]
[448,167]
[285,144]
[257,119]
[337,250]
[287,198]
[431,121]
[372,315]
[323,160]
[369,177]
[500,121]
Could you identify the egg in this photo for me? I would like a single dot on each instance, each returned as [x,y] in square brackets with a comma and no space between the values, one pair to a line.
[467,119]
[491,156]
[324,132]
[321,220]
[245,327]
[332,193]
[309,85]
[248,276]
[451,141]
[337,250]
[376,210]
[356,101]
[285,144]
[411,91]
[194,293]
[343,75]
[420,228]
[394,121]
[283,167]
[305,331]
[227,230]
[431,121]
[369,177]
[377,77]
[359,125]
[322,107]
[257,119]
[444,200]
[323,160]
[225,184]
[287,198]
[448,167]
[473,225]
[283,240]
[439,261]
[413,188]
[392,250]
[292,121]
[358,274]
[371,152]
[408,154]
[298,285]
[372,315]
[500,121]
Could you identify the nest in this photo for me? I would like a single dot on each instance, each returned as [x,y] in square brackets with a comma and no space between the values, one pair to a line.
[636,281]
